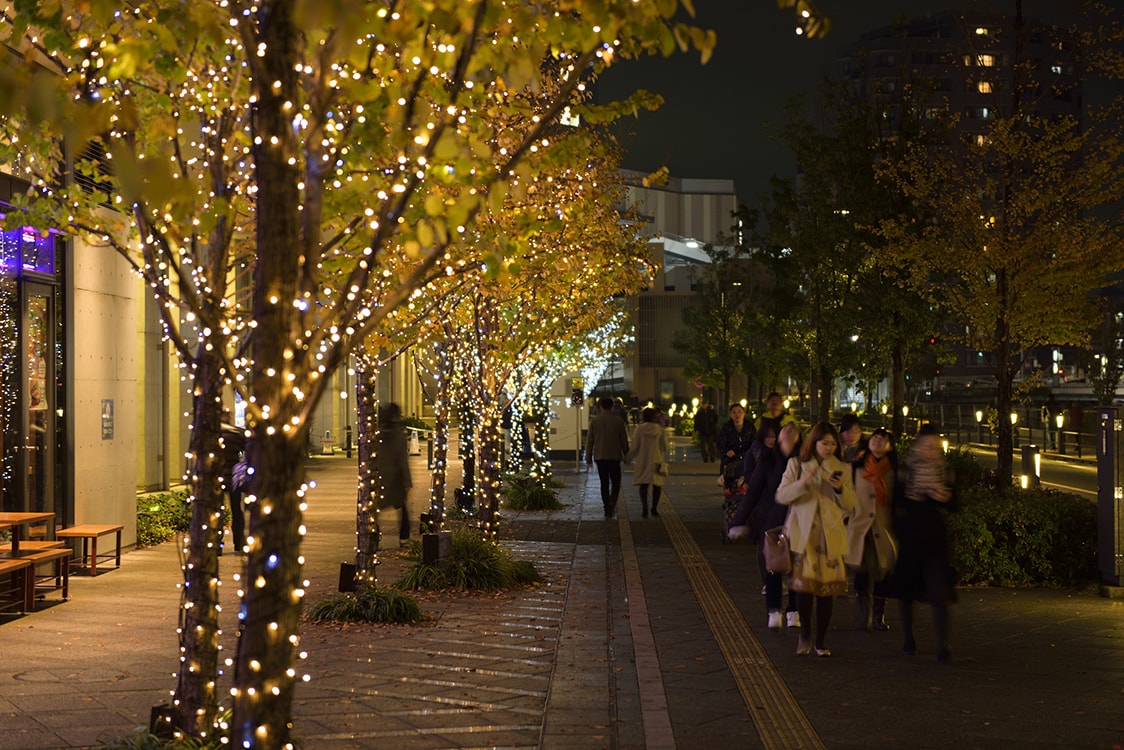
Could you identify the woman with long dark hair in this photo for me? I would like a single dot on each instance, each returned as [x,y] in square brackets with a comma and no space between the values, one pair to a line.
[817,487]
[871,549]
[763,512]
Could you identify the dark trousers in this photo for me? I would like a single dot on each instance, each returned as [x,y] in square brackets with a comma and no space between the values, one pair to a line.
[774,584]
[709,448]
[656,491]
[404,524]
[237,520]
[609,472]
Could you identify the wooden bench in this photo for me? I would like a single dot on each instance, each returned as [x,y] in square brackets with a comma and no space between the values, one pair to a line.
[14,597]
[31,546]
[89,533]
[58,578]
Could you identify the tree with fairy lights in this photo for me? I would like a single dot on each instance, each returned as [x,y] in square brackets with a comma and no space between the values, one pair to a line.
[158,176]
[341,119]
[589,353]
[553,288]
[399,332]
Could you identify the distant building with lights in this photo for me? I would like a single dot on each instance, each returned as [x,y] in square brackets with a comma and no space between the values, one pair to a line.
[679,219]
[962,63]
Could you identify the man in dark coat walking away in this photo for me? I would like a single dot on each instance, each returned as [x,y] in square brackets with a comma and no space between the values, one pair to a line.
[232,441]
[706,427]
[607,444]
[394,467]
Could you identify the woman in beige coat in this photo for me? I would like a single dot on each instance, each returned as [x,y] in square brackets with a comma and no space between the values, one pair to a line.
[649,450]
[817,487]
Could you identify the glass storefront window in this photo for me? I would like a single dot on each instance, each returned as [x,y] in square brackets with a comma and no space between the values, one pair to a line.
[27,249]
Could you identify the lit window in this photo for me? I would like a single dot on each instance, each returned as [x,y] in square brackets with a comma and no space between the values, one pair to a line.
[981,140]
[984,87]
[1056,69]
[986,61]
[981,31]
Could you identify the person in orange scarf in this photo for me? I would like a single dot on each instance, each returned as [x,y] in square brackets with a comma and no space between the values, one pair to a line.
[871,549]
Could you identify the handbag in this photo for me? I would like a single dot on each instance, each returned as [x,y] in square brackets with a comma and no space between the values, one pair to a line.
[778,558]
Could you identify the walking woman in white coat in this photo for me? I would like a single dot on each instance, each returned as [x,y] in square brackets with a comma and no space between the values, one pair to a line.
[817,485]
[649,450]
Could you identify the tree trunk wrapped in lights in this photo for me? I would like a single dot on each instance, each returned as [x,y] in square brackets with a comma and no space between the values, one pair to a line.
[534,410]
[367,532]
[196,699]
[442,405]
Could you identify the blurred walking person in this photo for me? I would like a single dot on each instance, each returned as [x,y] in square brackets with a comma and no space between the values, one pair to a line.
[394,467]
[923,571]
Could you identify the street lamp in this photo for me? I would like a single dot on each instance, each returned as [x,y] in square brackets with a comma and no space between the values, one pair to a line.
[1060,421]
[885,408]
[1015,429]
[979,423]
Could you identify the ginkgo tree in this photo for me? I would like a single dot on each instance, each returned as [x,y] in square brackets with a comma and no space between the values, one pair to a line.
[339,119]
[555,286]
[157,178]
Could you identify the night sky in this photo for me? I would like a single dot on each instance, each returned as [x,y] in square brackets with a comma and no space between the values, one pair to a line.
[713,122]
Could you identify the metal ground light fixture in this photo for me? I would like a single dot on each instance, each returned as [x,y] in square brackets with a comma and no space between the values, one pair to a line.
[1110,499]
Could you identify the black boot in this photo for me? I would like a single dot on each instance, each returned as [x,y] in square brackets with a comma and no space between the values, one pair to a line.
[880,614]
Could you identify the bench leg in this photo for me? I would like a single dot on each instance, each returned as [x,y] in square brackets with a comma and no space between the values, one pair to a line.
[93,557]
[118,549]
[29,589]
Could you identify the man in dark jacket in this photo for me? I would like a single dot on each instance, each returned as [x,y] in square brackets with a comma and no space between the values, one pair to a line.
[706,427]
[232,441]
[607,444]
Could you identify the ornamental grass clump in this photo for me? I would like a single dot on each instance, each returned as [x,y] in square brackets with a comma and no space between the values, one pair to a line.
[476,562]
[368,603]
[524,491]
[144,739]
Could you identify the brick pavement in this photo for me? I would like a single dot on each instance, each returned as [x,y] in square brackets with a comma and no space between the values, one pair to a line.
[615,650]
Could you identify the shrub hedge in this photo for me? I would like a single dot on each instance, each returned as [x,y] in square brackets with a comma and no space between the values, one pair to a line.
[1034,536]
[161,516]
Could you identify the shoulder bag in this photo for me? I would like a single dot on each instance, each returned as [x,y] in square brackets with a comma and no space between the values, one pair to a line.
[778,557]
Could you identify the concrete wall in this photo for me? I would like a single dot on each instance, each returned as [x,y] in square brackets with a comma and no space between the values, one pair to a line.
[103,326]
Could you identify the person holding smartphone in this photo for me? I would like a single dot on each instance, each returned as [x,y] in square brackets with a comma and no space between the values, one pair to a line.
[817,486]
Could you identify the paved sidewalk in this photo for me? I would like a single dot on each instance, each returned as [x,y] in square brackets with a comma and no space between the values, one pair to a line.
[647,633]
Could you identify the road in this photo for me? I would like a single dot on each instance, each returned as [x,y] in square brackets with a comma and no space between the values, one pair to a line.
[1079,477]
[1070,475]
